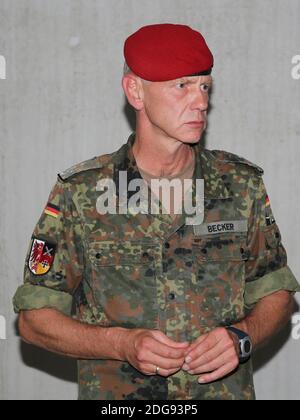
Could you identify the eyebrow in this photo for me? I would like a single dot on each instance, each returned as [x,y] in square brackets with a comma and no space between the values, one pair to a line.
[193,81]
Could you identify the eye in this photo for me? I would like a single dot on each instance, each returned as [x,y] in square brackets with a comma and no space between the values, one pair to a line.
[206,87]
[181,85]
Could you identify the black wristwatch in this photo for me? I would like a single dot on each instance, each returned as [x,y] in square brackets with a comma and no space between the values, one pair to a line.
[245,344]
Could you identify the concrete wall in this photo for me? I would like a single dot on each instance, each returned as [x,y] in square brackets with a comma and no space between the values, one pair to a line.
[61,102]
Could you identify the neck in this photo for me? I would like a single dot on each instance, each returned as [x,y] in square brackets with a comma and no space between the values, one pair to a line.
[160,155]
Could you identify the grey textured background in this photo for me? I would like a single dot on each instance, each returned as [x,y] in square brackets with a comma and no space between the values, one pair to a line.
[62,103]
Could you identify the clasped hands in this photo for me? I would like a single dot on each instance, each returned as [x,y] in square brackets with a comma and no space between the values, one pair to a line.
[212,356]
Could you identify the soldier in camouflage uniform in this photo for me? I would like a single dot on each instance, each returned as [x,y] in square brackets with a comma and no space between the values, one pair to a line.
[142,299]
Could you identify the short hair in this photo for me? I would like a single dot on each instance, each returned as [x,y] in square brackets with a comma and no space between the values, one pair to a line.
[126,69]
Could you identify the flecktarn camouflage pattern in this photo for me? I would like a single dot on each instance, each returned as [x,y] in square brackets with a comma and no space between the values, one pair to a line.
[150,271]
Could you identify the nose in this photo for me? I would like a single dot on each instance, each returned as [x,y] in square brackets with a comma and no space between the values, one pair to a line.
[200,101]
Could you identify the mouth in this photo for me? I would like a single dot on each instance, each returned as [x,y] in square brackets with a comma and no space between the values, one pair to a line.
[195,123]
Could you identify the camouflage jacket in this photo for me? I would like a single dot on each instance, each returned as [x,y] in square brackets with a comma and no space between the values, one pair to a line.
[149,271]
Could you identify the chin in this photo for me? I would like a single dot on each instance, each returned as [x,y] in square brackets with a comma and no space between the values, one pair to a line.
[187,137]
[191,139]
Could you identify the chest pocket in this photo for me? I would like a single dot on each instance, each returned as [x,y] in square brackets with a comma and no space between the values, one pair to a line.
[123,281]
[220,277]
[111,253]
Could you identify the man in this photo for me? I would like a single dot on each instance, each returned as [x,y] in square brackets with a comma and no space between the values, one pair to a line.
[161,309]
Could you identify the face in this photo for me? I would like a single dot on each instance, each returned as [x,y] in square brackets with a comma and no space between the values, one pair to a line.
[178,108]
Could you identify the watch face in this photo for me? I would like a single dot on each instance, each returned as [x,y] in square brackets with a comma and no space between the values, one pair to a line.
[247,346]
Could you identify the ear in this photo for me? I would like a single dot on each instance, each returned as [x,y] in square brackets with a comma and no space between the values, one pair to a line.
[133,89]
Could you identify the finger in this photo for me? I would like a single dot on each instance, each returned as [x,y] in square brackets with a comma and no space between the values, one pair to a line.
[203,347]
[228,356]
[150,370]
[149,350]
[165,350]
[147,369]
[217,374]
[195,344]
[210,355]
[166,373]
[164,362]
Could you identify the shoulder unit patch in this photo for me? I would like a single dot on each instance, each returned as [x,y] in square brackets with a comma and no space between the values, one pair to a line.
[41,256]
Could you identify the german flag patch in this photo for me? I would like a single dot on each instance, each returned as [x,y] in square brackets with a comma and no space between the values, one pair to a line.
[269,216]
[52,210]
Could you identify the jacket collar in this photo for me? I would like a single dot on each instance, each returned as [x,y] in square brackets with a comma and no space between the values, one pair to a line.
[206,167]
[163,225]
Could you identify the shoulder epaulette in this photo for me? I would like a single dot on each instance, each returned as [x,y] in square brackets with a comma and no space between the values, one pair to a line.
[80,167]
[228,157]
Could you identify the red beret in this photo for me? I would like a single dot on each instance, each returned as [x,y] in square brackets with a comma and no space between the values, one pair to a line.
[165,52]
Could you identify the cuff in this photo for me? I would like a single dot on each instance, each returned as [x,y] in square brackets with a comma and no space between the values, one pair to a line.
[30,297]
[282,279]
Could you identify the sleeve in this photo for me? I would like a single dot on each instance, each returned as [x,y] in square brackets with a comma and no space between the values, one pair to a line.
[266,269]
[54,262]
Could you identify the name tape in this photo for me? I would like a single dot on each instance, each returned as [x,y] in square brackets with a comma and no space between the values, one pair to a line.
[221,227]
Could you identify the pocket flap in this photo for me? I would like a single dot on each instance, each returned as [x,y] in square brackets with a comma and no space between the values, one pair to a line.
[111,253]
[229,247]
